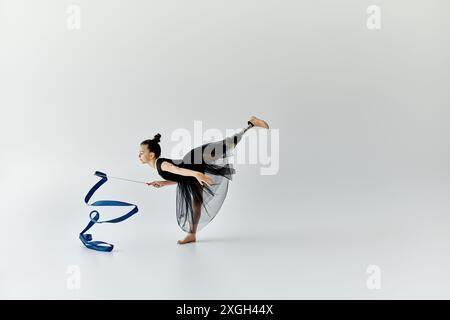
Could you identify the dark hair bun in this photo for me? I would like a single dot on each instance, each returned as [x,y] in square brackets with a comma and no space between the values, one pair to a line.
[157,138]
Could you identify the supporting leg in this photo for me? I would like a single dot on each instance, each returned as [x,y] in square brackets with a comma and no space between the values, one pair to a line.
[196,212]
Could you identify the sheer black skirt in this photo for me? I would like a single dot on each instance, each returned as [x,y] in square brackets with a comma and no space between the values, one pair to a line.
[197,205]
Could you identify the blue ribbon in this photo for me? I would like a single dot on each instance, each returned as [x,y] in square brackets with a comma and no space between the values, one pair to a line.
[86,239]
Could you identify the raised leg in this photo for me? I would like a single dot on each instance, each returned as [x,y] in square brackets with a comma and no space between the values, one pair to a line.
[221,149]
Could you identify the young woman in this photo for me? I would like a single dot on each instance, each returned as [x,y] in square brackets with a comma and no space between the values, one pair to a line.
[201,176]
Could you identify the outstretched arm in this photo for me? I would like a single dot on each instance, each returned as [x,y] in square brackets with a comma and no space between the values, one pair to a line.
[161,183]
[167,166]
[168,182]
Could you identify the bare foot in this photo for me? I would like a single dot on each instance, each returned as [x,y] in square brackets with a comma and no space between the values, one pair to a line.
[189,238]
[259,122]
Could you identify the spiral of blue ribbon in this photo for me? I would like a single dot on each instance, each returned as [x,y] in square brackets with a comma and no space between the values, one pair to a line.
[94,216]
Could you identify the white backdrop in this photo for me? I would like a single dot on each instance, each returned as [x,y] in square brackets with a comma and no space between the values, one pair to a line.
[362,116]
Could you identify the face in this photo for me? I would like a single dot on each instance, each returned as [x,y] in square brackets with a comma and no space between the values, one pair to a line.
[145,155]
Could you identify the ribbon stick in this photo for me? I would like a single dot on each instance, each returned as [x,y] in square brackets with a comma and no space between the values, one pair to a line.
[86,239]
[101,174]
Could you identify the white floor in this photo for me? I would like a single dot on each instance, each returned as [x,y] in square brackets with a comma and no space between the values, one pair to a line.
[236,257]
